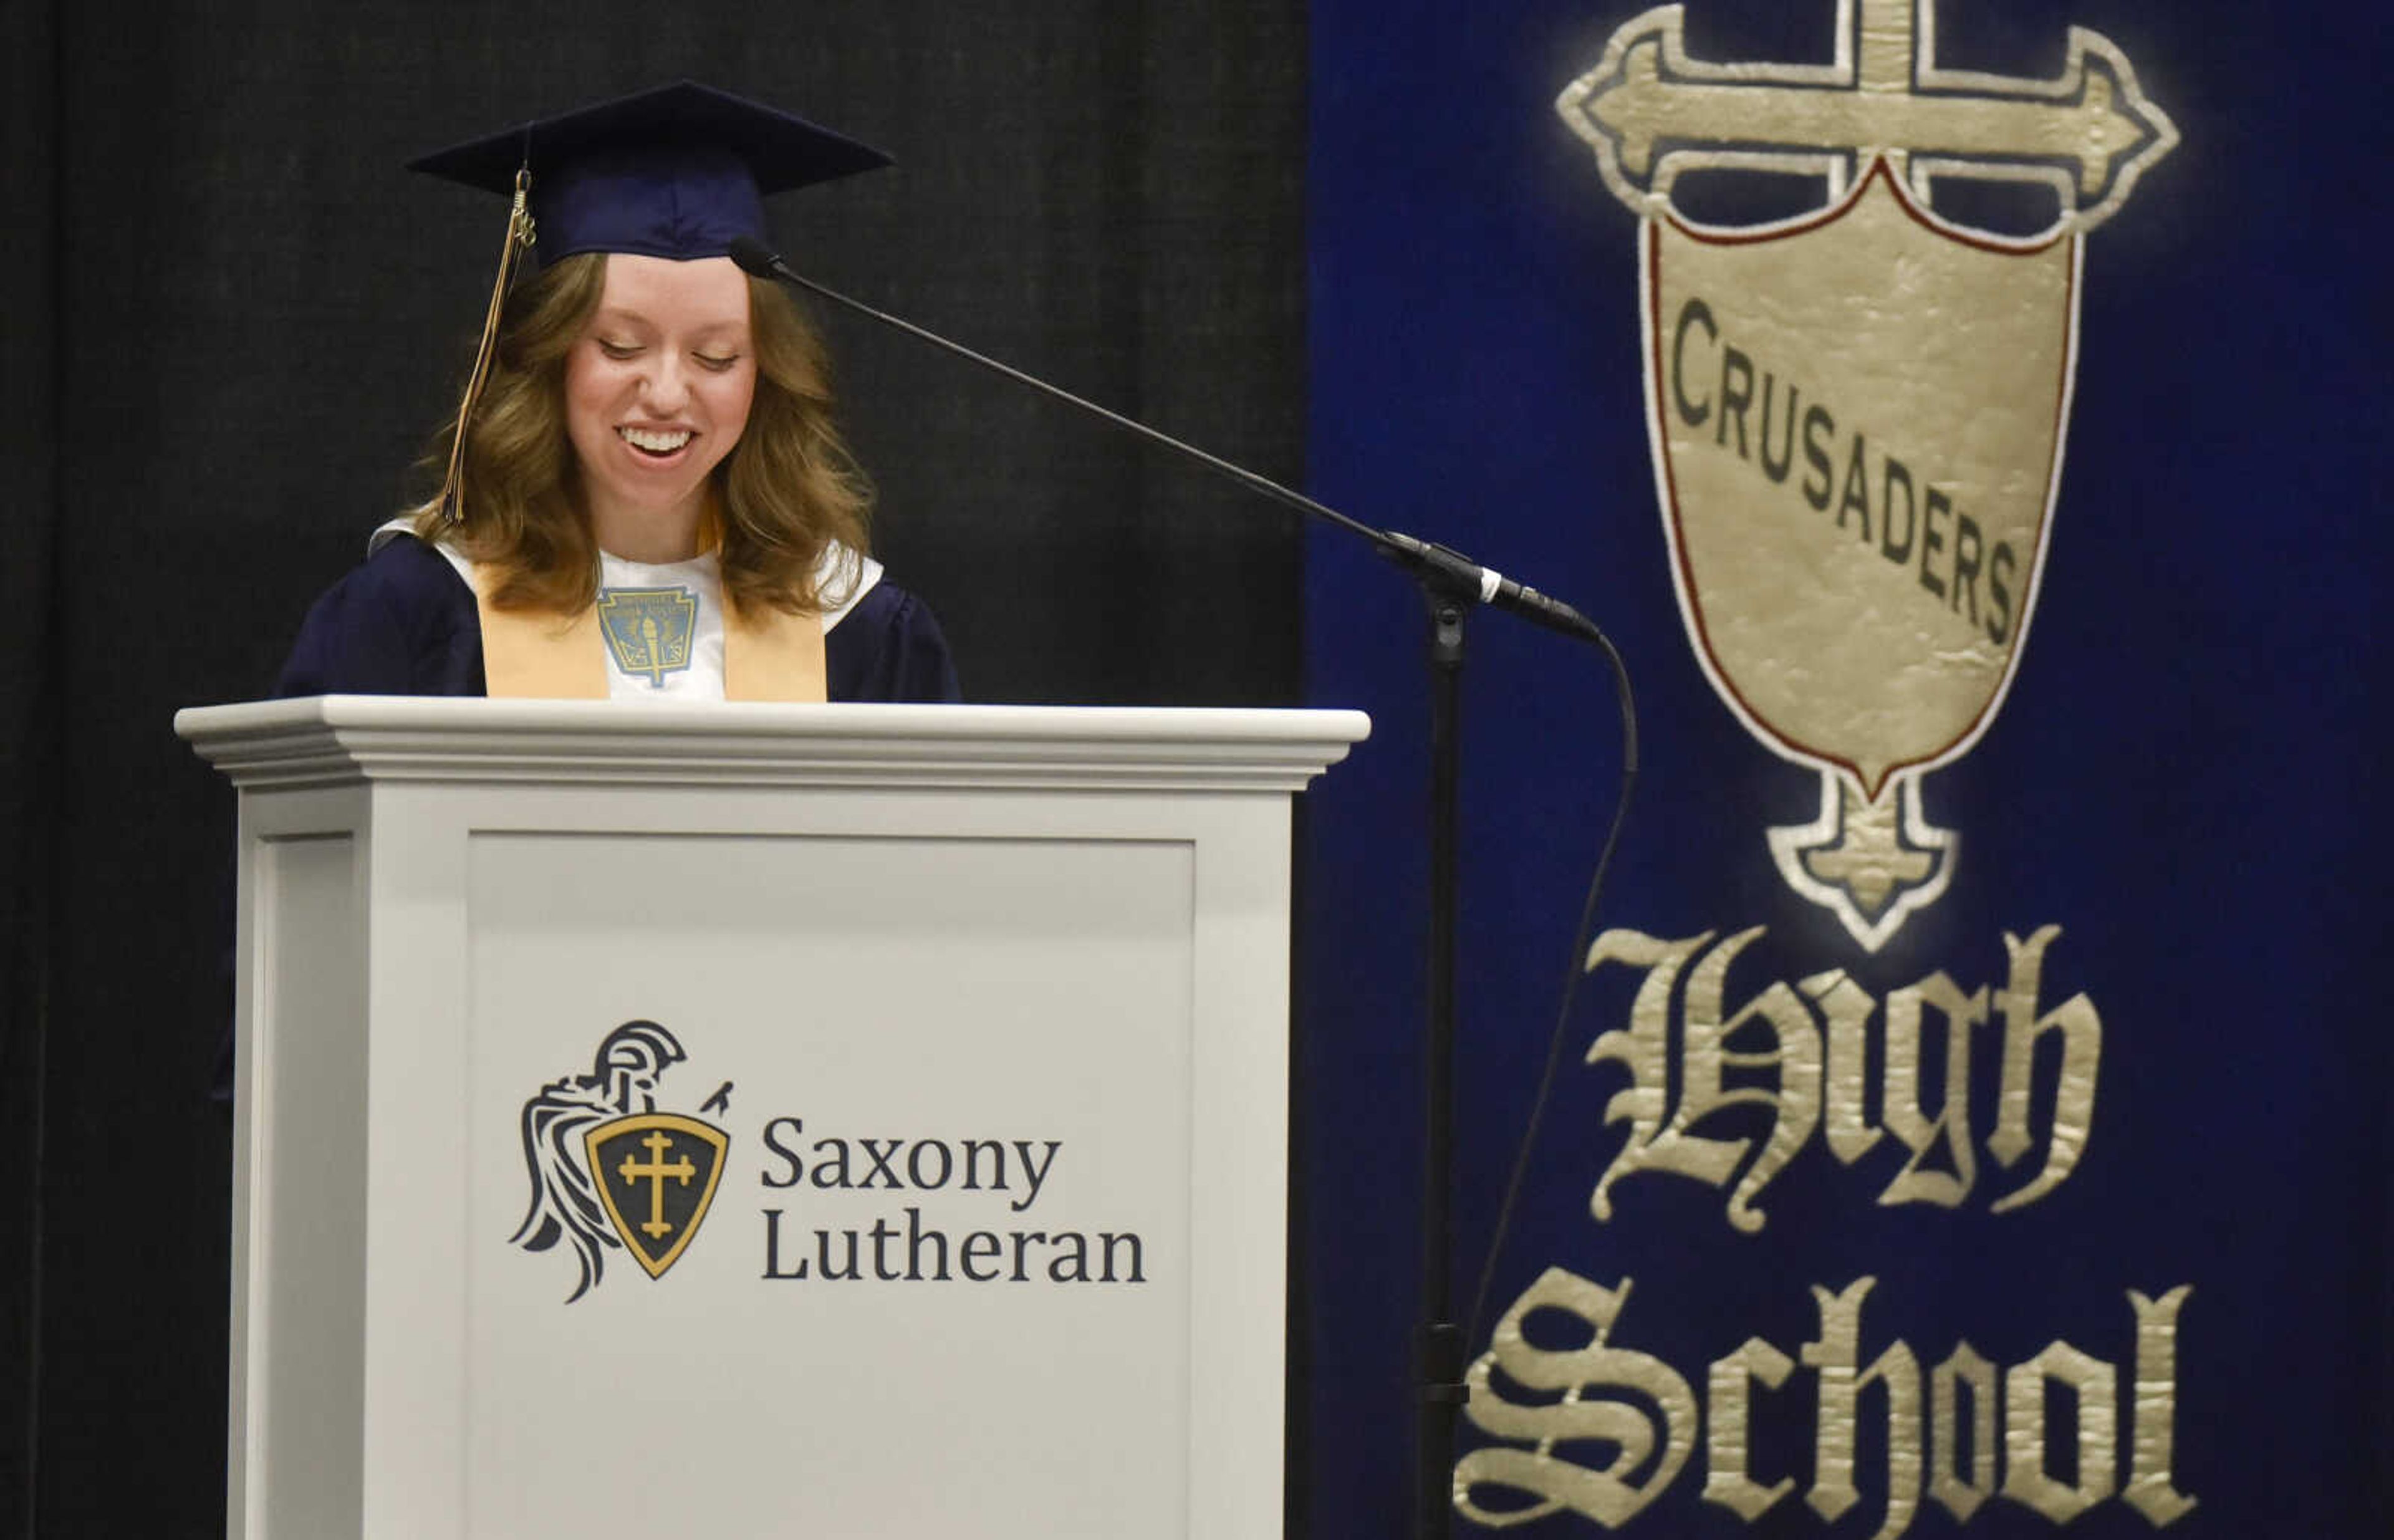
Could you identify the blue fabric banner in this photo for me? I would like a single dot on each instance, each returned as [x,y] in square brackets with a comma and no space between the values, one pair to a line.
[1966,419]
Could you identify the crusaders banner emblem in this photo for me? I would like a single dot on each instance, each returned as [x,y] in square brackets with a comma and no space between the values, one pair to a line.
[1858,413]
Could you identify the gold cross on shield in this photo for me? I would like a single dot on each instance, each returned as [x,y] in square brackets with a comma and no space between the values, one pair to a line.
[656,1203]
[1651,113]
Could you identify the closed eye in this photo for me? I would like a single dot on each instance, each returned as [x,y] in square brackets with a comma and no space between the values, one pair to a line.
[619,349]
[718,364]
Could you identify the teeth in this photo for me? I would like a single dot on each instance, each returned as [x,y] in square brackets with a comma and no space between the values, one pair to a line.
[656,443]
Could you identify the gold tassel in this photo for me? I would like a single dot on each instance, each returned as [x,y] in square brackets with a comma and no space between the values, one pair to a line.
[519,238]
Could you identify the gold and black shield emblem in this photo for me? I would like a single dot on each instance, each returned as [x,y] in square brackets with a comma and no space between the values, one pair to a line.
[656,1174]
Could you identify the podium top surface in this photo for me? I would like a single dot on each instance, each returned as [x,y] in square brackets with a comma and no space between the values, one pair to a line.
[334,740]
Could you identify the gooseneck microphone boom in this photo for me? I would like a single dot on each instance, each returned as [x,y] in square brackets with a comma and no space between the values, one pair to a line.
[1449,571]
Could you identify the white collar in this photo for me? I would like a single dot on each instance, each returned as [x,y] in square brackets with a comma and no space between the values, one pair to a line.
[842,576]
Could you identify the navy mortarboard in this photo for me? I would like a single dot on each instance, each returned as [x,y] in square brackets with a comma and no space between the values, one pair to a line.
[676,172]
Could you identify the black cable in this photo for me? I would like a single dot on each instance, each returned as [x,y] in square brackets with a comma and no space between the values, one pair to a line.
[1574,968]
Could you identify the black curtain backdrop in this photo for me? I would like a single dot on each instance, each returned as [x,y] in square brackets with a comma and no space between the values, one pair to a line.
[232,322]
[28,720]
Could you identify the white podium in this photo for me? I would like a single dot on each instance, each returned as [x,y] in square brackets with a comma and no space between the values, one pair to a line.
[759,1121]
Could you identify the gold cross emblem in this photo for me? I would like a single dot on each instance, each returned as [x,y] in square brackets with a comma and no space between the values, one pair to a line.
[674,1193]
[1651,113]
[1858,411]
[656,1174]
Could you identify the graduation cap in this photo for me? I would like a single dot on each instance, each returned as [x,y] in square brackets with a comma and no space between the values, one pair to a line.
[677,172]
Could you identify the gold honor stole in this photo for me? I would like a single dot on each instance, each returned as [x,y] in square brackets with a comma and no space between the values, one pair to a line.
[534,654]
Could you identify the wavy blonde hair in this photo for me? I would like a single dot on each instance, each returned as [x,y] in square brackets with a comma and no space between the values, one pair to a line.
[787,490]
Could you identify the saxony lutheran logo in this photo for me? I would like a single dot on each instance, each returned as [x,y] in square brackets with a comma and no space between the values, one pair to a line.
[608,1171]
[1858,414]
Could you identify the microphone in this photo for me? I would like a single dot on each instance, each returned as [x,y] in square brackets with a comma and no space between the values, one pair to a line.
[1453,574]
[1461,577]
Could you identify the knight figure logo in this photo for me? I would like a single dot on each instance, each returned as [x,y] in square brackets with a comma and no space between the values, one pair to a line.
[608,1171]
[1858,413]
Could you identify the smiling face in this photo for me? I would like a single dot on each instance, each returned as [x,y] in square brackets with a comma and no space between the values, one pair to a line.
[657,391]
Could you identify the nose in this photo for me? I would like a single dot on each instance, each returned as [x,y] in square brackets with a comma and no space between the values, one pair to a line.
[668,385]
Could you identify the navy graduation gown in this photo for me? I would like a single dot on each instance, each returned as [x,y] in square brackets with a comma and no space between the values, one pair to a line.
[405,624]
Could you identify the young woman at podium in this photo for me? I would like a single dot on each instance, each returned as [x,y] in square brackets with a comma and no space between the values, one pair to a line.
[647,497]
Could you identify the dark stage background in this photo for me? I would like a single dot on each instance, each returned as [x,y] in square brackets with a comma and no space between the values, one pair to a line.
[1350,241]
[233,322]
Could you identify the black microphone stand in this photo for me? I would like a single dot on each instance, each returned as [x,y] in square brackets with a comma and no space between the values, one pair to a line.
[1440,1349]
[1451,584]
